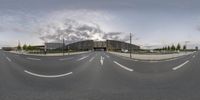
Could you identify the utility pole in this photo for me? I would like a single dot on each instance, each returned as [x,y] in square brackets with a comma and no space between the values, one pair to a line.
[68,49]
[186,42]
[130,47]
[19,46]
[45,48]
[63,47]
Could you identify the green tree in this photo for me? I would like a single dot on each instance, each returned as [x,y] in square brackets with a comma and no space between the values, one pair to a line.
[173,47]
[184,47]
[168,48]
[29,47]
[163,48]
[19,47]
[178,47]
[24,47]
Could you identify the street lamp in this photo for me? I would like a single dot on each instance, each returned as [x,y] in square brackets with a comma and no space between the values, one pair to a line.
[130,47]
[186,42]
[45,48]
[68,49]
[63,46]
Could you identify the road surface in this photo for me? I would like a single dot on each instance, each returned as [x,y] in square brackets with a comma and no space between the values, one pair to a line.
[98,76]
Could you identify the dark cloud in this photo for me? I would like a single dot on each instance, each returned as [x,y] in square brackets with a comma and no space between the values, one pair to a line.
[73,31]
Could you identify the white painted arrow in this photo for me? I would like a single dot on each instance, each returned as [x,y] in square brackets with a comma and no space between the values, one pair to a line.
[101,60]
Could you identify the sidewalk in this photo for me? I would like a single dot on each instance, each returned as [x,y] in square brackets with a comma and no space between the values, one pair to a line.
[50,54]
[153,56]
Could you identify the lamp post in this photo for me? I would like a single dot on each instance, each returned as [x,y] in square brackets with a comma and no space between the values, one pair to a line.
[130,47]
[186,42]
[68,49]
[19,48]
[63,47]
[45,48]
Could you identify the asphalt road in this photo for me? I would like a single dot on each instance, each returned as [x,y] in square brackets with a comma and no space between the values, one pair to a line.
[98,76]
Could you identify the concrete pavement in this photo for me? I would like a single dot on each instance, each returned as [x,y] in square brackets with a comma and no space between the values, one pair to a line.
[97,76]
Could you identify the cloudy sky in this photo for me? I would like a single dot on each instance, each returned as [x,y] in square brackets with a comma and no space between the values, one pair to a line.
[152,22]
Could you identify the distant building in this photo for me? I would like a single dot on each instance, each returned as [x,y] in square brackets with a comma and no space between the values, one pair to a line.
[9,48]
[81,45]
[196,48]
[111,45]
[53,46]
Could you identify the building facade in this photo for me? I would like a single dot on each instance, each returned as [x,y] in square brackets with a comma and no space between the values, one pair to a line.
[108,45]
[53,46]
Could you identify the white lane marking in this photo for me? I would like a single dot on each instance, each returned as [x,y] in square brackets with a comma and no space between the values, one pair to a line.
[101,60]
[66,58]
[107,56]
[32,58]
[171,59]
[82,58]
[177,67]
[122,66]
[91,59]
[153,61]
[194,56]
[47,76]
[8,59]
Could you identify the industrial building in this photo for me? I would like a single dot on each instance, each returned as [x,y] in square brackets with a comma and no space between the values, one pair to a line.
[108,45]
[54,46]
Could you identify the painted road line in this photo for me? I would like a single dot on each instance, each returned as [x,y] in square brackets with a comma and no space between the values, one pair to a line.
[153,61]
[177,67]
[47,76]
[107,56]
[66,58]
[91,59]
[32,58]
[101,60]
[82,58]
[171,59]
[8,59]
[124,67]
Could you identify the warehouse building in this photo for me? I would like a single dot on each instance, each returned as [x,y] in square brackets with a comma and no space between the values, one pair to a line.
[53,46]
[108,45]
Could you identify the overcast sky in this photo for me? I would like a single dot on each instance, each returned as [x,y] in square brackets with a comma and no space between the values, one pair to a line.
[153,22]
